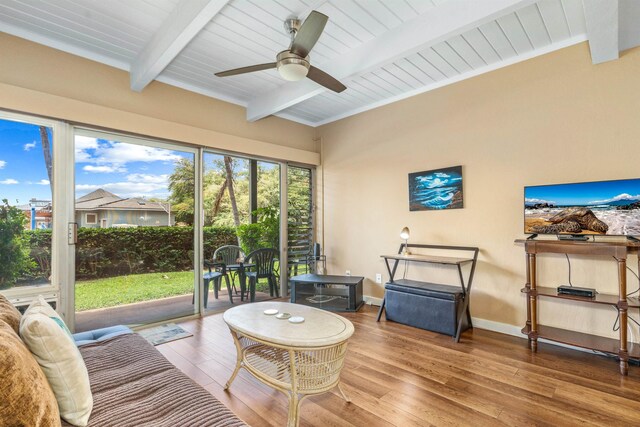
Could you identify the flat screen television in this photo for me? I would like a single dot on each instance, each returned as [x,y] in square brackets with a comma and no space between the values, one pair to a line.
[598,208]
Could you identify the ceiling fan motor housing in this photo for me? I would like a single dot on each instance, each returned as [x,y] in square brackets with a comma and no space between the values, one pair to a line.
[291,26]
[292,67]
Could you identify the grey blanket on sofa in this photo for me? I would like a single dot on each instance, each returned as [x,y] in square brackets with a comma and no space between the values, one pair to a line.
[134,385]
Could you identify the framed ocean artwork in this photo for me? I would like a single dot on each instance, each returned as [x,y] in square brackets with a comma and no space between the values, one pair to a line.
[436,189]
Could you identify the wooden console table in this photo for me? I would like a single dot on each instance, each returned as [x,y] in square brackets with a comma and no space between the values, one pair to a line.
[457,262]
[535,330]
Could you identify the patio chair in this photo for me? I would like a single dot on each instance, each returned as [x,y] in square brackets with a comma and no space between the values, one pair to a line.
[216,271]
[230,255]
[316,261]
[263,261]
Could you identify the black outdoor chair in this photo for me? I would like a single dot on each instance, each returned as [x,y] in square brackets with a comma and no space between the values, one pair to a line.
[215,272]
[263,261]
[230,255]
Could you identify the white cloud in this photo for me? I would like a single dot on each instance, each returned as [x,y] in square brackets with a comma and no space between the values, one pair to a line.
[148,178]
[43,182]
[442,175]
[623,196]
[103,169]
[29,146]
[82,144]
[110,156]
[137,185]
[121,153]
[9,181]
[2,164]
[539,201]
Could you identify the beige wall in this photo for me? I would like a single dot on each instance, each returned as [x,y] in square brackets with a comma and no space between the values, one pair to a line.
[552,119]
[40,80]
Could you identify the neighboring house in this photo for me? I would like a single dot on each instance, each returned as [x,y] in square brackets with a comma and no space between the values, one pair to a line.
[42,210]
[102,209]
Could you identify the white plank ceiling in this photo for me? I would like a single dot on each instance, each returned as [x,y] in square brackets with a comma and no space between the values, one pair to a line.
[408,46]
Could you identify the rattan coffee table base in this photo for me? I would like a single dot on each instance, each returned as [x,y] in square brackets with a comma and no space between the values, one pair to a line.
[298,372]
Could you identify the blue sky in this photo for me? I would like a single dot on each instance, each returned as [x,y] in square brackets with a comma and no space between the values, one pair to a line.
[127,170]
[588,193]
[23,174]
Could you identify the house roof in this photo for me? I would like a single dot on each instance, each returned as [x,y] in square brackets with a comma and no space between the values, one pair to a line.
[97,194]
[103,200]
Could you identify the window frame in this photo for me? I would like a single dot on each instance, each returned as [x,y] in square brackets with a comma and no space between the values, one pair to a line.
[86,218]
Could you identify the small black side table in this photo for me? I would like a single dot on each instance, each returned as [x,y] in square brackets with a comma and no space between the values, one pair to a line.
[334,293]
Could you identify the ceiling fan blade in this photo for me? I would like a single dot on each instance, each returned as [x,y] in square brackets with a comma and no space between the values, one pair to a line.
[244,70]
[309,33]
[324,79]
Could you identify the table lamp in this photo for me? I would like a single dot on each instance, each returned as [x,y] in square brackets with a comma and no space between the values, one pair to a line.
[404,235]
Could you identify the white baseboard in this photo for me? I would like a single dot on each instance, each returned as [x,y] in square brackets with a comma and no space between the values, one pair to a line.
[503,328]
[372,300]
[490,325]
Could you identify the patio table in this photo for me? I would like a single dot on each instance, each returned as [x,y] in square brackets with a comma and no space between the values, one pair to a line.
[241,268]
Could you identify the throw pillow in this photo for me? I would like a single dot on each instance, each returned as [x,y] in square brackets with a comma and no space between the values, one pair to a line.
[49,339]
[26,398]
[9,314]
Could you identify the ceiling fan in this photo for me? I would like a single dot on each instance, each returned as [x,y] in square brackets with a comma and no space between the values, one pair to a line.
[293,63]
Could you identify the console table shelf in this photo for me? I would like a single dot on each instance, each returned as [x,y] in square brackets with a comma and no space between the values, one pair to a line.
[534,330]
[607,299]
[579,339]
[431,259]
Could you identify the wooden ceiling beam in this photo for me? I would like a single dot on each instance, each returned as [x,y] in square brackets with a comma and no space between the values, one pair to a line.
[185,22]
[601,17]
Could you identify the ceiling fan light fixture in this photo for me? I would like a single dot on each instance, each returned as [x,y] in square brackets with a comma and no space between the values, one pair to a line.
[292,67]
[293,64]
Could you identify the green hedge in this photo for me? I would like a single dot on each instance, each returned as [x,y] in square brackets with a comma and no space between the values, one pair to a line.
[108,252]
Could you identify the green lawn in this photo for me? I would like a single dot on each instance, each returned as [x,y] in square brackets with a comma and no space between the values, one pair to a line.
[120,290]
[114,291]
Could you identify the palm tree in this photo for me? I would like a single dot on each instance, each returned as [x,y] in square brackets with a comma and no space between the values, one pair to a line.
[46,149]
[228,165]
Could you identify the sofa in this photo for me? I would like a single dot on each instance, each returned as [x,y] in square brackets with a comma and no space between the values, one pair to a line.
[132,384]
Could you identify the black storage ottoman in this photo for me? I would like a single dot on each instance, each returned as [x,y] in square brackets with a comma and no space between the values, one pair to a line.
[429,306]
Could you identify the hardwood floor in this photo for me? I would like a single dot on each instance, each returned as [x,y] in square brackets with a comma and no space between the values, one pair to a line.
[396,375]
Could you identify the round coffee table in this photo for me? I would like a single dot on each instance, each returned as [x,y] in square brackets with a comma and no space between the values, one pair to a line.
[300,359]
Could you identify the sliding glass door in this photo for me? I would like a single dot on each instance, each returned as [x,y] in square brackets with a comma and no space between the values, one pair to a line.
[135,213]
[114,229]
[34,209]
[240,201]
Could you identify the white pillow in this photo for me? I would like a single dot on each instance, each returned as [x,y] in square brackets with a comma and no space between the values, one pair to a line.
[49,339]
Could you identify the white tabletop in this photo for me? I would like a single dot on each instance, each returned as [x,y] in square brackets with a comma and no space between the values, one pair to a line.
[319,328]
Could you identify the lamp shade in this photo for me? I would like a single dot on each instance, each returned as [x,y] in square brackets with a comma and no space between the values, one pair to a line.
[404,234]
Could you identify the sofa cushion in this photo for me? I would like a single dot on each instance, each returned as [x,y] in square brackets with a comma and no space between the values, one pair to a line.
[9,314]
[49,339]
[26,398]
[134,385]
[97,335]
